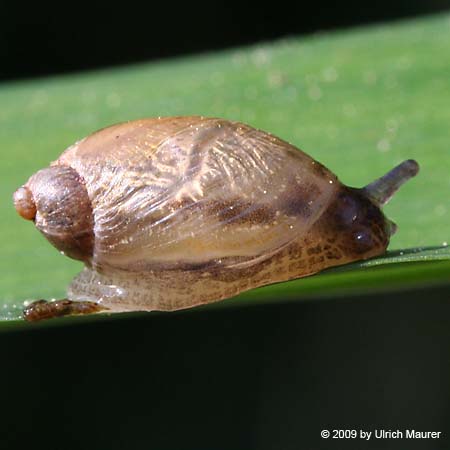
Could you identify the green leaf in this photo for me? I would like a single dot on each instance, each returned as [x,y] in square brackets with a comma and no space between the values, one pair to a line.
[360,102]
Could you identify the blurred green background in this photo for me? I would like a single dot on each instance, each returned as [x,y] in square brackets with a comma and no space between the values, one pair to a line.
[261,373]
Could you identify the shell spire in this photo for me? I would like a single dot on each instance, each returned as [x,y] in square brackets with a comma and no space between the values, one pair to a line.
[381,190]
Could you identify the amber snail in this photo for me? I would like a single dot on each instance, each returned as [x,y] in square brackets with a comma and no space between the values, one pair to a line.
[169,213]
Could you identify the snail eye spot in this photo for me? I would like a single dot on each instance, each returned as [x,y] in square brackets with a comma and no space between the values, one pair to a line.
[363,240]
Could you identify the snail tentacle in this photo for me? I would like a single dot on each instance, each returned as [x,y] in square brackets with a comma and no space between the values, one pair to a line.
[381,190]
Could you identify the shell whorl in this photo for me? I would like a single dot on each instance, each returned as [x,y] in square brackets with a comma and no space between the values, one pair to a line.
[176,192]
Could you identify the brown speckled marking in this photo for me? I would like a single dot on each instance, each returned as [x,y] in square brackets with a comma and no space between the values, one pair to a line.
[333,253]
[315,250]
[295,250]
[238,212]
[42,309]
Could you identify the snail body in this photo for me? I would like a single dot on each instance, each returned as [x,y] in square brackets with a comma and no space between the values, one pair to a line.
[170,213]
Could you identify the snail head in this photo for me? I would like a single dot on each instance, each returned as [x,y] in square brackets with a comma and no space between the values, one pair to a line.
[356,218]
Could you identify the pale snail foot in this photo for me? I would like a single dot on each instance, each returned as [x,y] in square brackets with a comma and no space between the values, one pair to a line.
[43,309]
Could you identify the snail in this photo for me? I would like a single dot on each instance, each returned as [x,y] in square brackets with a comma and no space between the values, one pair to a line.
[170,213]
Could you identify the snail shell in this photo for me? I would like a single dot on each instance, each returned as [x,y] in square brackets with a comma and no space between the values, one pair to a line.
[169,213]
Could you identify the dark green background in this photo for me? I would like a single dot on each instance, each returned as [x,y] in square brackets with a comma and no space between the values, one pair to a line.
[267,377]
[47,38]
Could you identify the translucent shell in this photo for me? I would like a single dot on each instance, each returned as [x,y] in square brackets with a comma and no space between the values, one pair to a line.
[179,193]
